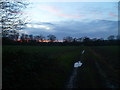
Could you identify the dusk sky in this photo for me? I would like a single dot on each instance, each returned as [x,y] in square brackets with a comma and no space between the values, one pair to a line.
[76,19]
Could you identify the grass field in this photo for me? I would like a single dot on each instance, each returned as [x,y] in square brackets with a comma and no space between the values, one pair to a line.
[101,67]
[50,67]
[28,66]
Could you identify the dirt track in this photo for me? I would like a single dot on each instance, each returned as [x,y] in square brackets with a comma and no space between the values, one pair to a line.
[90,75]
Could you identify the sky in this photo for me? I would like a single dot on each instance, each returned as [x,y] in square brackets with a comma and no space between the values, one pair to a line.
[93,18]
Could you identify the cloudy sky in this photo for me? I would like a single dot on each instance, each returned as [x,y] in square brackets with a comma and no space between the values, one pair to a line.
[77,19]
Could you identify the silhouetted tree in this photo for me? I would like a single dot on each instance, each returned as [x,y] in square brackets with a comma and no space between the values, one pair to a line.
[51,38]
[10,17]
[111,37]
[101,39]
[26,36]
[68,39]
[11,37]
[31,37]
[94,39]
[86,39]
[42,38]
[80,40]
[22,37]
[74,39]
[37,38]
[118,37]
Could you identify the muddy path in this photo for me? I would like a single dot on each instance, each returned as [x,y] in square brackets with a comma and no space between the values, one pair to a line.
[72,80]
[72,83]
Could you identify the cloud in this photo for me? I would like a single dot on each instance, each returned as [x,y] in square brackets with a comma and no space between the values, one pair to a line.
[49,8]
[74,0]
[37,26]
[57,11]
[98,28]
[112,14]
[69,15]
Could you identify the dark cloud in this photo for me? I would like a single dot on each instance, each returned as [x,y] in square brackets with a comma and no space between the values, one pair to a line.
[98,28]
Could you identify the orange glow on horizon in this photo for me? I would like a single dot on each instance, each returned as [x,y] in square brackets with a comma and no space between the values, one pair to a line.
[20,40]
[49,41]
[44,41]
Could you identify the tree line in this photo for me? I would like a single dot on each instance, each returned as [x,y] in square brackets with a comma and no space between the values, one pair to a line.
[26,39]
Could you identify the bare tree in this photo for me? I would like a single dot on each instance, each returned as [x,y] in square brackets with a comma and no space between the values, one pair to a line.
[31,37]
[94,39]
[80,39]
[22,36]
[10,16]
[26,36]
[68,39]
[42,38]
[37,38]
[51,38]
[111,37]
[86,39]
[118,37]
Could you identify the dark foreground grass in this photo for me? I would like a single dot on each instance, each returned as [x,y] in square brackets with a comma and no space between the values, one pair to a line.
[50,67]
[101,68]
[108,59]
[37,67]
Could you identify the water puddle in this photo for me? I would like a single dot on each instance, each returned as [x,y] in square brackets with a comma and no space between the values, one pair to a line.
[83,51]
[77,64]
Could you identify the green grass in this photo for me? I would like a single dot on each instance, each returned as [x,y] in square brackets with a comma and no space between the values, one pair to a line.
[108,59]
[50,67]
[29,66]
